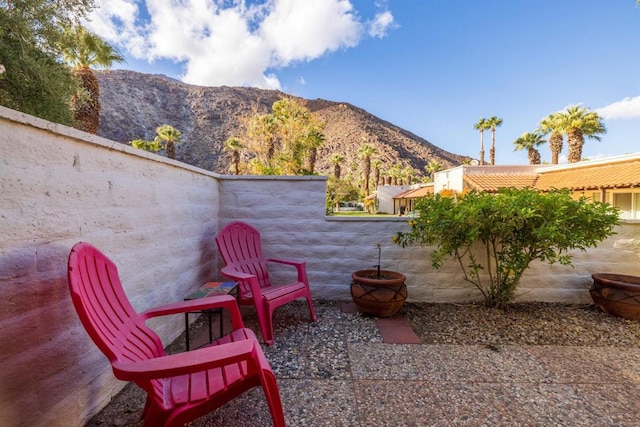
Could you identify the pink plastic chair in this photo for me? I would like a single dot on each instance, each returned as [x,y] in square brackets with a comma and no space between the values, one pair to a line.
[241,249]
[180,387]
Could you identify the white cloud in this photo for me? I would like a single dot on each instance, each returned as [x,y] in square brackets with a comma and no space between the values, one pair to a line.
[117,22]
[381,24]
[230,42]
[302,31]
[628,108]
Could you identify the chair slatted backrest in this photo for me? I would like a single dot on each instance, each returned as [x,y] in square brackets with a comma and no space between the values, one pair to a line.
[241,248]
[105,311]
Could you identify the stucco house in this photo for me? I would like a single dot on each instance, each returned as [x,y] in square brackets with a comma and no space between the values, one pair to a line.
[615,180]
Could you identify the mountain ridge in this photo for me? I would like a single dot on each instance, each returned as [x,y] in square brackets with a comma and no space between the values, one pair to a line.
[135,104]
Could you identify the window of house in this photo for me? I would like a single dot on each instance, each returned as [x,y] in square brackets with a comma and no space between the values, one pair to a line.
[627,201]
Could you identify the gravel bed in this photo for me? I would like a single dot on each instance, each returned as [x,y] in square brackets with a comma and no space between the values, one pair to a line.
[521,324]
[320,353]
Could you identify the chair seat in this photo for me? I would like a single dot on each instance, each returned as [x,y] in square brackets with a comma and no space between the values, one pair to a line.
[200,387]
[293,291]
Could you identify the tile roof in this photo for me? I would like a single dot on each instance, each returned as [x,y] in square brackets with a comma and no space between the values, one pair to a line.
[591,177]
[492,182]
[415,193]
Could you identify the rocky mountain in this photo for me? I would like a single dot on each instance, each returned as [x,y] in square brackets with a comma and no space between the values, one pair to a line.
[135,104]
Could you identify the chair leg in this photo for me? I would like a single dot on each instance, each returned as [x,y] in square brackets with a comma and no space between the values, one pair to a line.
[155,417]
[266,324]
[271,393]
[267,331]
[314,318]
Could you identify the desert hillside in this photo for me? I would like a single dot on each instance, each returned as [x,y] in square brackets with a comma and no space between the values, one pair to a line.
[134,104]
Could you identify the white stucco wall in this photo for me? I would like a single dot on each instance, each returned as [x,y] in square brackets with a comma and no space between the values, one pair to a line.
[157,219]
[58,186]
[385,194]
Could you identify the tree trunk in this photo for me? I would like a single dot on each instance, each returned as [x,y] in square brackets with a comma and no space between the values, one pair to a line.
[534,156]
[555,145]
[86,107]
[236,162]
[313,155]
[575,141]
[492,151]
[170,149]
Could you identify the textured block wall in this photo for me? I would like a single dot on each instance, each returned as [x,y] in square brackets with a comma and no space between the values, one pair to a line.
[57,187]
[289,214]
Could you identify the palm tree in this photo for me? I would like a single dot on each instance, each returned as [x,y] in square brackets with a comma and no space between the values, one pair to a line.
[493,123]
[395,174]
[234,145]
[336,160]
[314,140]
[170,137]
[376,165]
[482,125]
[82,50]
[553,125]
[529,141]
[432,167]
[407,174]
[579,122]
[365,152]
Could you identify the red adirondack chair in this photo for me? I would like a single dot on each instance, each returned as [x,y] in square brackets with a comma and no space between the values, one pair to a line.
[180,387]
[241,249]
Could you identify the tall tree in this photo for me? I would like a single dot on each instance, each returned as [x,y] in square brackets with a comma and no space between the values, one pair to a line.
[553,125]
[314,140]
[234,145]
[281,141]
[170,137]
[35,81]
[166,137]
[481,126]
[365,152]
[529,141]
[376,165]
[493,123]
[261,142]
[337,160]
[82,50]
[432,167]
[579,122]
[407,174]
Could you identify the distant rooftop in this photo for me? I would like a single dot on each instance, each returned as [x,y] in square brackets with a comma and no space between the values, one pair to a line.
[612,172]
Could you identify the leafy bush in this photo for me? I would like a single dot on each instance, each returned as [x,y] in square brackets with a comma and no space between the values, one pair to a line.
[515,227]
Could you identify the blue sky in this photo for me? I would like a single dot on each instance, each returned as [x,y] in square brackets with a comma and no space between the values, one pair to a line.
[432,67]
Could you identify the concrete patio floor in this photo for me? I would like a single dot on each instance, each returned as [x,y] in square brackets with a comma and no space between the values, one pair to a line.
[353,370]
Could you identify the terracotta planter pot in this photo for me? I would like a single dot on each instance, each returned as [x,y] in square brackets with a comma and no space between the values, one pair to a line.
[617,294]
[378,297]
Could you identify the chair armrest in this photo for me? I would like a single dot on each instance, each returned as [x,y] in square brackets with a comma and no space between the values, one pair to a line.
[301,267]
[236,274]
[240,276]
[186,363]
[218,301]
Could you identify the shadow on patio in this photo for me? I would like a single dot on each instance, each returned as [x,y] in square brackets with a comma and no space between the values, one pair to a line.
[534,364]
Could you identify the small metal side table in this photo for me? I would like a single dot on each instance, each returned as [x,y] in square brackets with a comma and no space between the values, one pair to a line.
[209,289]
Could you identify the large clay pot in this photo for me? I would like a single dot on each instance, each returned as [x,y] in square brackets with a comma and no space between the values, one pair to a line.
[380,297]
[617,294]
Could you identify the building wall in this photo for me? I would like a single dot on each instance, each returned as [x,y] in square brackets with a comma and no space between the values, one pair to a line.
[154,217]
[157,219]
[385,194]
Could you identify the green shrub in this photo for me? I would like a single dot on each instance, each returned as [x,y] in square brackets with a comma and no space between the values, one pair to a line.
[514,226]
